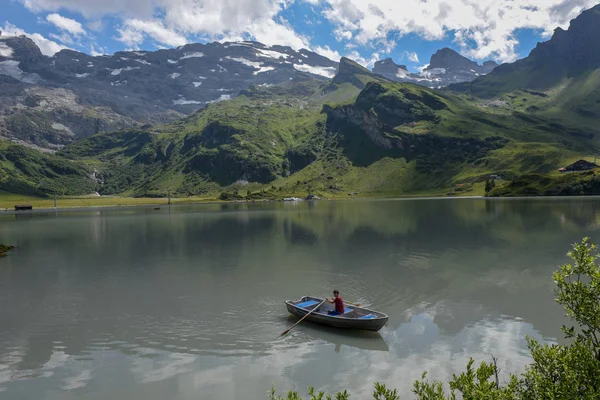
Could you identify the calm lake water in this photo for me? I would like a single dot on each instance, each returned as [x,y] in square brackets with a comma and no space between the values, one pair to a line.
[187,302]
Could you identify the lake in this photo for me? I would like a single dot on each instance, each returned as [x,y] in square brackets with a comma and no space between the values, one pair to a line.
[187,302]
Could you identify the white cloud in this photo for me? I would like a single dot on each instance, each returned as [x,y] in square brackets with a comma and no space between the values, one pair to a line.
[96,25]
[365,62]
[97,51]
[47,46]
[326,51]
[63,37]
[412,57]
[485,28]
[212,19]
[66,24]
[133,31]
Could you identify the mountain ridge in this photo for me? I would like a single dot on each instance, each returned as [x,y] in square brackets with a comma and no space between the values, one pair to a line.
[73,95]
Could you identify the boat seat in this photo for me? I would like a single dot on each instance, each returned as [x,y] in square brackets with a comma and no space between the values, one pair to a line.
[307,304]
[368,316]
[348,310]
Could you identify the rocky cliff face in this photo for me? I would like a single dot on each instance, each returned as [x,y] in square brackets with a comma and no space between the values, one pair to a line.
[389,67]
[573,49]
[445,68]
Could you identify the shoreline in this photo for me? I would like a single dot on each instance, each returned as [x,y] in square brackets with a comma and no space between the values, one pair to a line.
[109,207]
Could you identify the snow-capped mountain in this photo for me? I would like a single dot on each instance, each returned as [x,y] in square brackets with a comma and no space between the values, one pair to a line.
[51,101]
[445,68]
[77,95]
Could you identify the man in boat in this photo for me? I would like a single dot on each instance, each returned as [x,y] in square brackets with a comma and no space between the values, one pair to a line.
[338,302]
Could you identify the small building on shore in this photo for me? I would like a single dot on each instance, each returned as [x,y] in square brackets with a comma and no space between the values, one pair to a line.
[580,165]
[23,207]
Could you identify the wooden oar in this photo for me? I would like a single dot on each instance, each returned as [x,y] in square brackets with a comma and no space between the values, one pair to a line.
[310,312]
[352,304]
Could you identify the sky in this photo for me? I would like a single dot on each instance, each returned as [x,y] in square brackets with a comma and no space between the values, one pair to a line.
[408,31]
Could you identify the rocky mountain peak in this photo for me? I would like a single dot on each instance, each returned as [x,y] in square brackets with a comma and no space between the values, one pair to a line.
[20,48]
[388,67]
[448,58]
[347,73]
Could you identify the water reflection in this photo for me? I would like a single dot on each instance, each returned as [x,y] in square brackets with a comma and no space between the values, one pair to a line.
[358,339]
[164,303]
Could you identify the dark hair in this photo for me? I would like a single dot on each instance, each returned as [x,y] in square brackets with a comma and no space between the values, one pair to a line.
[336,291]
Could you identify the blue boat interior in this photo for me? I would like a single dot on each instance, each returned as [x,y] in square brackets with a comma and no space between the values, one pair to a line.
[307,304]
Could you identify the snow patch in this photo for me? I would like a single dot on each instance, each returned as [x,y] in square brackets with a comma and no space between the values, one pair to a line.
[272,54]
[435,71]
[201,77]
[252,64]
[328,72]
[82,75]
[195,54]
[182,102]
[119,70]
[196,84]
[238,45]
[172,61]
[139,53]
[264,69]
[90,65]
[142,61]
[175,75]
[5,50]
[124,58]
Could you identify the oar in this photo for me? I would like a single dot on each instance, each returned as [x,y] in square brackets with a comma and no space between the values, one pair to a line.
[352,304]
[310,312]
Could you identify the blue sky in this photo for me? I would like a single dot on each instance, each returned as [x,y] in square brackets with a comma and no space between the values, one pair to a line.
[408,31]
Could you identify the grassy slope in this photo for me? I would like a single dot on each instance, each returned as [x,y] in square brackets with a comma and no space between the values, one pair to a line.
[28,171]
[267,130]
[284,140]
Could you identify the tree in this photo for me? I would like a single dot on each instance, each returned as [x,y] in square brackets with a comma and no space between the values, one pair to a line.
[490,184]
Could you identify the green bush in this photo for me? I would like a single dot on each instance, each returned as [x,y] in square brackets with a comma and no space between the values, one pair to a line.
[558,372]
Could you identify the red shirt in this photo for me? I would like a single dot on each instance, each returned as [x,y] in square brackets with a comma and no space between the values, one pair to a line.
[339,304]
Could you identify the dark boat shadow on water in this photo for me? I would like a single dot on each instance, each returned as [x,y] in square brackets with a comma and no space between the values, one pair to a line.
[365,340]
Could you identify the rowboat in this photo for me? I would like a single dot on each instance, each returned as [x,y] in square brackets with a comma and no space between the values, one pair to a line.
[353,317]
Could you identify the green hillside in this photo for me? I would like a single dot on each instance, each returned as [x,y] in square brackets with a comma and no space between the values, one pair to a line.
[31,172]
[387,139]
[355,134]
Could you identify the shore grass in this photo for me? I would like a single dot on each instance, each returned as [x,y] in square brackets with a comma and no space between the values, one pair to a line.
[8,201]
[4,249]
